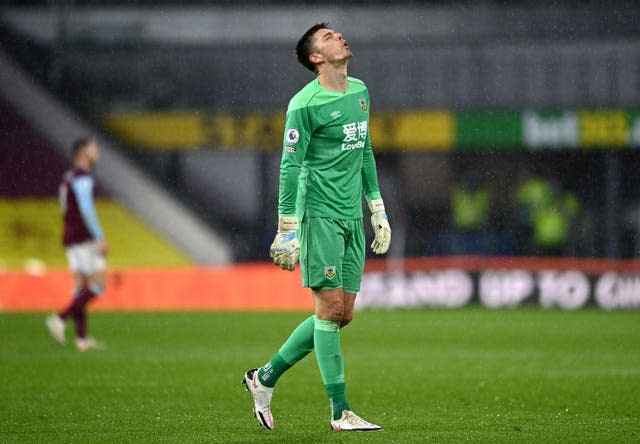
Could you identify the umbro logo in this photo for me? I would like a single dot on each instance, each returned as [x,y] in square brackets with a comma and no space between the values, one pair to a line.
[335,114]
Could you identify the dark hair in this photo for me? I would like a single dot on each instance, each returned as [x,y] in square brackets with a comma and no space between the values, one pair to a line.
[304,49]
[79,144]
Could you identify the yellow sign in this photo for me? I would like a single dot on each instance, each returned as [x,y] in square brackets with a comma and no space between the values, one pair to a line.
[159,130]
[609,128]
[417,130]
[412,130]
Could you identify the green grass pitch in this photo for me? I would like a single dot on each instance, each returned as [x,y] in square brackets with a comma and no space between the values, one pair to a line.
[466,375]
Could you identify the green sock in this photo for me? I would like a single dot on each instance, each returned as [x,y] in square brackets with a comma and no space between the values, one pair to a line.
[337,399]
[299,345]
[327,343]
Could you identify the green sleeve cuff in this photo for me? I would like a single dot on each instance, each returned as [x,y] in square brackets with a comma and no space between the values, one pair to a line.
[373,195]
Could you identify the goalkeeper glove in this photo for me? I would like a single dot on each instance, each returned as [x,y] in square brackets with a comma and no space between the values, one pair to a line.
[381,227]
[285,248]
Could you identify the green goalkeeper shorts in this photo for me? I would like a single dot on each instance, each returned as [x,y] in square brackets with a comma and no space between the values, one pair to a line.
[332,253]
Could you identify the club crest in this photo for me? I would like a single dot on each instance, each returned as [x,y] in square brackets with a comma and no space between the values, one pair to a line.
[363,104]
[330,271]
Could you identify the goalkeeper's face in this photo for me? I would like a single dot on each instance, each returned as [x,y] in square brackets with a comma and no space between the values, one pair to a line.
[331,46]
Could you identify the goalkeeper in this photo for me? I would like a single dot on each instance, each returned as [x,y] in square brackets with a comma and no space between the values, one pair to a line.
[327,163]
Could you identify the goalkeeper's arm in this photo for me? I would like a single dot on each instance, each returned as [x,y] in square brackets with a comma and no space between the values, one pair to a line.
[285,249]
[379,219]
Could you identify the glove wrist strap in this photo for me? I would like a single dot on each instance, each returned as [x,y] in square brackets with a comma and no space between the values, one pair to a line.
[376,206]
[287,223]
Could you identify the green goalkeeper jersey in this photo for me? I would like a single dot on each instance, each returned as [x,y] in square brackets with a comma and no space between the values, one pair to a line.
[327,160]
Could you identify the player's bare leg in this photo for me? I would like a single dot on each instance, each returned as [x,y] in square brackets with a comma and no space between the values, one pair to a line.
[349,301]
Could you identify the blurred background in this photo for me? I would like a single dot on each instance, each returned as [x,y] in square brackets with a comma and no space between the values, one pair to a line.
[501,129]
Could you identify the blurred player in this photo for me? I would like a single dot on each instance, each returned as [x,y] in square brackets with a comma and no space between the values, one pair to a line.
[84,243]
[327,163]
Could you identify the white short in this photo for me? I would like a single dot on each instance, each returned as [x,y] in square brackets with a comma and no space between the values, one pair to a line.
[86,258]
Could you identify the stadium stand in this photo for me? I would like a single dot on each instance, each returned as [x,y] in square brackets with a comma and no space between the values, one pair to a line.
[30,167]
[552,79]
[30,214]
[131,186]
